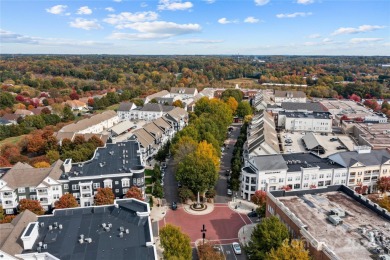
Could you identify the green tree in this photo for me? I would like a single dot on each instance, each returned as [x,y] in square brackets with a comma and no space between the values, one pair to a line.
[175,243]
[267,235]
[289,251]
[67,114]
[6,100]
[244,109]
[231,92]
[158,190]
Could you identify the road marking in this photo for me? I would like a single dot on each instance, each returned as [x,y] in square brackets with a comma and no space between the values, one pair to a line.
[242,218]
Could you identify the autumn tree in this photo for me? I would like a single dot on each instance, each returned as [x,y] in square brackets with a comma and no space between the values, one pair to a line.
[32,205]
[175,243]
[384,202]
[384,184]
[4,162]
[206,251]
[289,251]
[355,98]
[41,164]
[104,196]
[53,155]
[66,201]
[178,103]
[259,198]
[134,193]
[35,143]
[267,235]
[233,104]
[234,93]
[244,109]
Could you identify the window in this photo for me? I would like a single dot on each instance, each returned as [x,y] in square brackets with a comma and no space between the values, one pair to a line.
[263,181]
[342,181]
[22,197]
[117,190]
[87,204]
[126,182]
[76,195]
[289,179]
[9,211]
[281,179]
[33,197]
[55,188]
[298,178]
[125,190]
[344,174]
[320,183]
[306,177]
[305,185]
[297,186]
[107,183]
[313,177]
[116,182]
[32,189]
[321,176]
[327,183]
[328,175]
[21,190]
[337,174]
[56,196]
[96,185]
[75,187]
[66,186]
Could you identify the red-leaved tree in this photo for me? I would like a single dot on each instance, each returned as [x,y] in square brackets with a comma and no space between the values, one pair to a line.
[259,198]
[66,201]
[32,205]
[384,184]
[134,193]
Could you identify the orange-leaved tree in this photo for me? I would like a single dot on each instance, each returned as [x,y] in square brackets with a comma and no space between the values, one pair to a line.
[259,198]
[135,193]
[32,205]
[66,201]
[104,196]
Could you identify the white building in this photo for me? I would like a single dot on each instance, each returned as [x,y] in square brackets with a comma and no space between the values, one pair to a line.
[148,112]
[183,93]
[160,94]
[305,121]
[289,96]
[23,181]
[124,110]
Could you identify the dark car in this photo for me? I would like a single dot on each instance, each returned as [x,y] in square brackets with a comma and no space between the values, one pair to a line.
[174,206]
[341,147]
[333,139]
[227,172]
[253,214]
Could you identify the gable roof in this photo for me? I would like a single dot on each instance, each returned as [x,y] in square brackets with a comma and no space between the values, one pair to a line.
[155,107]
[161,93]
[11,117]
[311,141]
[11,232]
[144,137]
[88,122]
[308,106]
[160,122]
[153,129]
[23,112]
[270,162]
[125,106]
[347,159]
[177,113]
[187,91]
[24,175]
[295,94]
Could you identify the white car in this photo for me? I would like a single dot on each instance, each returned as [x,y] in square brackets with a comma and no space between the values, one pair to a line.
[236,248]
[229,192]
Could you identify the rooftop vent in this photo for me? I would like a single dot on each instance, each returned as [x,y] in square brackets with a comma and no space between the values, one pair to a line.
[88,240]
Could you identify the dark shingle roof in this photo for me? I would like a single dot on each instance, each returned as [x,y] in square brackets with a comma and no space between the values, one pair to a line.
[375,157]
[125,106]
[309,106]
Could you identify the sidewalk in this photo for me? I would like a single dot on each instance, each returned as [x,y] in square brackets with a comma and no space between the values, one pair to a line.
[242,206]
[244,234]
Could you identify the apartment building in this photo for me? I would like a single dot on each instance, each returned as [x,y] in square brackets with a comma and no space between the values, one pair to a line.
[183,93]
[160,94]
[23,181]
[124,110]
[305,121]
[148,112]
[289,96]
[376,136]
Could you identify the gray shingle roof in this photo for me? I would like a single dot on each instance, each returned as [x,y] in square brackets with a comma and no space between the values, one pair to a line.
[309,106]
[310,141]
[375,157]
[125,106]
[270,162]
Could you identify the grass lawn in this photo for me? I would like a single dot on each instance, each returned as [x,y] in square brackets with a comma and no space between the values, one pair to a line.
[112,107]
[12,140]
[148,190]
[148,181]
[148,172]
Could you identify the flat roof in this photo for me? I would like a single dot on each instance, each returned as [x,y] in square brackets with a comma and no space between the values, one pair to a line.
[314,115]
[296,161]
[64,243]
[114,158]
[375,134]
[347,239]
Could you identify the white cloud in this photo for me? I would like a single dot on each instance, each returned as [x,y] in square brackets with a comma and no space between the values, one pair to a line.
[174,5]
[251,19]
[84,10]
[10,37]
[226,21]
[360,29]
[57,9]
[364,40]
[143,5]
[85,24]
[261,2]
[122,19]
[209,1]
[191,41]
[305,2]
[109,9]
[293,15]
[156,30]
[314,36]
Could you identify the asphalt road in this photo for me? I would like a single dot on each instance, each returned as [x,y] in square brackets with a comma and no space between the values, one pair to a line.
[170,184]
[221,186]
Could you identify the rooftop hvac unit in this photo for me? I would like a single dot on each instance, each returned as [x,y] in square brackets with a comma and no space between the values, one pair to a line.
[81,241]
[127,231]
[120,234]
[42,224]
[103,225]
[88,240]
[39,249]
[50,227]
[109,225]
[335,220]
[107,229]
[60,226]
[44,246]
[121,229]
[82,236]
[40,243]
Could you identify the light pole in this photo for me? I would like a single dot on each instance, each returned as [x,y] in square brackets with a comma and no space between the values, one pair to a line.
[204,230]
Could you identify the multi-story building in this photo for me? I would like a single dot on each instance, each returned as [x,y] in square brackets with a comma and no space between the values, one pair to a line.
[119,231]
[23,181]
[178,118]
[93,125]
[262,138]
[183,93]
[117,166]
[305,121]
[289,96]
[289,171]
[376,136]
[148,112]
[124,110]
[160,94]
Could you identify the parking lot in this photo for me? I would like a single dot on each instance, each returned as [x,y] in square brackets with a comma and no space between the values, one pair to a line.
[330,146]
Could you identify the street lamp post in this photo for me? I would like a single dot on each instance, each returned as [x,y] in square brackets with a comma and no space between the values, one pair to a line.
[204,230]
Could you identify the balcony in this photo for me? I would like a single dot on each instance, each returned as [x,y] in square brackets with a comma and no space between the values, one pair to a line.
[8,196]
[44,201]
[85,189]
[42,192]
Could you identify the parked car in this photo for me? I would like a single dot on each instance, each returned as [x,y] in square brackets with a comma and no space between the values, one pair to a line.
[174,206]
[324,133]
[179,184]
[229,192]
[227,172]
[236,248]
[341,147]
[253,214]
[333,139]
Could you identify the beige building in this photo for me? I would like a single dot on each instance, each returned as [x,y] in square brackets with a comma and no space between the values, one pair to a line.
[376,136]
[289,96]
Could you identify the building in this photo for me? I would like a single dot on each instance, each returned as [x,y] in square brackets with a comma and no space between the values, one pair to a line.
[289,96]
[178,118]
[93,125]
[148,112]
[13,118]
[77,105]
[298,171]
[117,166]
[23,112]
[298,107]
[365,166]
[183,93]
[119,231]
[160,94]
[23,181]
[305,121]
[11,232]
[312,144]
[351,110]
[124,110]
[376,136]
[60,136]
[262,138]
[334,222]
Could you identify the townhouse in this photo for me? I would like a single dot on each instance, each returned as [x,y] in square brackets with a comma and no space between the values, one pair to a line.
[148,112]
[23,181]
[124,110]
[160,94]
[305,121]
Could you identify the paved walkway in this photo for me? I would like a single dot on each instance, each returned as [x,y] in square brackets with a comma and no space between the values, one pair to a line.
[208,210]
[245,232]
[242,206]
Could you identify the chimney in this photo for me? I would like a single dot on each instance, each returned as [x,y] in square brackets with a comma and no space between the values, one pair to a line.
[67,165]
[30,235]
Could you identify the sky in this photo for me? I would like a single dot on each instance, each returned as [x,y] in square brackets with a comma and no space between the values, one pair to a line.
[201,27]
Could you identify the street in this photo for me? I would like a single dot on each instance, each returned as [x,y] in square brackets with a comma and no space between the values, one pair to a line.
[170,184]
